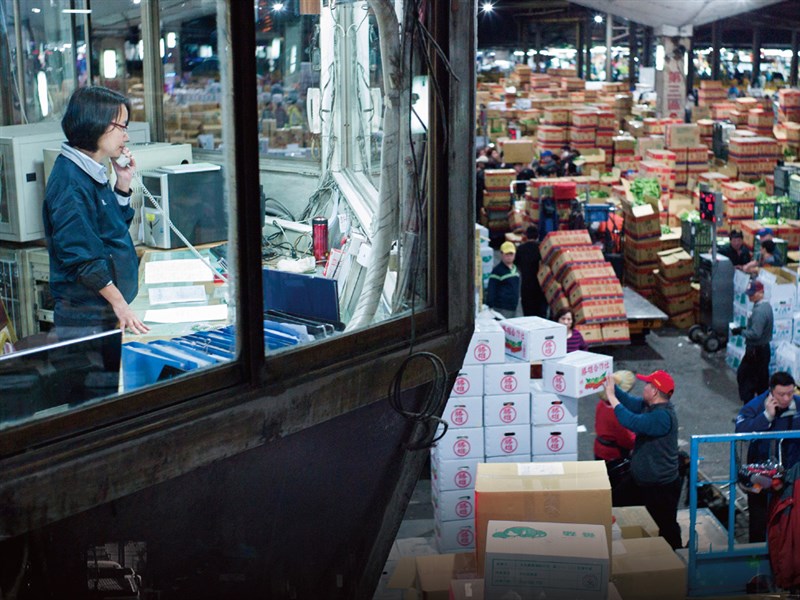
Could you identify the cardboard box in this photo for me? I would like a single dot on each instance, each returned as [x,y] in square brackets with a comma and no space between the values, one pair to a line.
[579,271]
[558,239]
[429,577]
[506,378]
[684,135]
[578,374]
[453,505]
[554,440]
[459,444]
[534,338]
[550,409]
[647,568]
[454,536]
[518,151]
[466,589]
[555,492]
[574,255]
[597,310]
[487,344]
[508,440]
[453,474]
[469,381]
[594,288]
[634,521]
[464,411]
[675,264]
[531,560]
[507,409]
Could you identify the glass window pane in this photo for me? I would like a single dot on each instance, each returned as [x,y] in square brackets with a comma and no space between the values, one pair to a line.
[344,247]
[144,245]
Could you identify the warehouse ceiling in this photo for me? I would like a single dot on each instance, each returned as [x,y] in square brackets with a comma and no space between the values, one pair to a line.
[677,13]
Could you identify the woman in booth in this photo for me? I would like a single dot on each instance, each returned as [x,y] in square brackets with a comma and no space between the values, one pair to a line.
[93,264]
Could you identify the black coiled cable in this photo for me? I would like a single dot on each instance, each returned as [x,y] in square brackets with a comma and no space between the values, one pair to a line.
[434,401]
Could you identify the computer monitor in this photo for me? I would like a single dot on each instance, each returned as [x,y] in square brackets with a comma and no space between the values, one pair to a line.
[42,380]
[306,296]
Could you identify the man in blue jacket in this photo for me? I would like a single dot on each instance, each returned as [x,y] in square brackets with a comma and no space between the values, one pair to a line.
[502,293]
[773,410]
[654,461]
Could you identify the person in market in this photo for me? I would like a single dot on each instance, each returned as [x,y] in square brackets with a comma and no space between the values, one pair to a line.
[528,260]
[613,442]
[503,290]
[94,270]
[575,340]
[655,462]
[547,165]
[481,164]
[773,410]
[753,372]
[735,250]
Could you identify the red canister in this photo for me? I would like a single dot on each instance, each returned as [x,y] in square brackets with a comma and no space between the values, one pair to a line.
[319,232]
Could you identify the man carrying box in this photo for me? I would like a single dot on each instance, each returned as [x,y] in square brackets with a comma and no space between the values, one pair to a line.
[654,462]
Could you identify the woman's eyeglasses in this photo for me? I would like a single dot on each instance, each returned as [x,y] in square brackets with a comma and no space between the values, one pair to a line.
[123,128]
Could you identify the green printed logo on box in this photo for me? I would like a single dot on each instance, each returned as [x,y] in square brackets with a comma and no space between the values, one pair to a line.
[523,532]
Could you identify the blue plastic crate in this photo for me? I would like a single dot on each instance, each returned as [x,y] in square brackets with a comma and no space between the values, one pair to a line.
[596,213]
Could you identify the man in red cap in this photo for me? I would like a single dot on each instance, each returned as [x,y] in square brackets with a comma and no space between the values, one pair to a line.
[654,462]
[753,373]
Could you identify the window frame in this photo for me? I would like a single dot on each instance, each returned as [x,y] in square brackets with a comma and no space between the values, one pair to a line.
[211,390]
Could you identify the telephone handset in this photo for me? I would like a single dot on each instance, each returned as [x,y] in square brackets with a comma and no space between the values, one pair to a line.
[123,160]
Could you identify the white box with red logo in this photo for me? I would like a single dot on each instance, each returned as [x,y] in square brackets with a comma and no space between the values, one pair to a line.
[453,505]
[577,374]
[453,474]
[534,338]
[554,440]
[510,377]
[507,440]
[506,409]
[487,344]
[548,408]
[469,381]
[454,536]
[460,444]
[464,411]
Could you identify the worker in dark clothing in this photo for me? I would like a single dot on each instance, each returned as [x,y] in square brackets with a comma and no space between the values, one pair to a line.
[773,410]
[736,251]
[654,461]
[480,186]
[547,165]
[502,292]
[527,261]
[753,373]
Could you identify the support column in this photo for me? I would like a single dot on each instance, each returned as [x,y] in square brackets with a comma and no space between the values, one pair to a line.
[671,82]
[690,70]
[587,63]
[716,44]
[537,46]
[609,43]
[633,55]
[756,57]
[153,70]
[647,47]
[579,35]
[793,68]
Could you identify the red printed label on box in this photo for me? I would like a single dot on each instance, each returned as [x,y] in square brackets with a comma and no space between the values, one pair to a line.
[508,383]
[509,444]
[555,443]
[559,383]
[548,348]
[459,416]
[465,538]
[555,413]
[463,479]
[508,414]
[461,386]
[461,448]
[464,508]
[483,352]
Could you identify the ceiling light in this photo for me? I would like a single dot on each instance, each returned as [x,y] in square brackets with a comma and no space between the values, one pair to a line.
[277,7]
[76,11]
[487,7]
[36,10]
[598,18]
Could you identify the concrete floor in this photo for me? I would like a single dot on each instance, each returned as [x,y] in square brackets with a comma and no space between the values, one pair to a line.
[706,402]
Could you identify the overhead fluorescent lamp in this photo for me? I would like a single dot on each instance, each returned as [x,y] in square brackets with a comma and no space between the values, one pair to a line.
[77,11]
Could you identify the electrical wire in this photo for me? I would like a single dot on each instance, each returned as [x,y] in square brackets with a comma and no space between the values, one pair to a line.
[433,404]
[285,211]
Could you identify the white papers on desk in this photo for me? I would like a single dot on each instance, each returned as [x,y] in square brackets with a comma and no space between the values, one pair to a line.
[188,270]
[173,294]
[187,314]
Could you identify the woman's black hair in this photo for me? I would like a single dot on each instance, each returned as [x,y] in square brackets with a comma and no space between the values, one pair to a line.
[769,246]
[562,312]
[89,113]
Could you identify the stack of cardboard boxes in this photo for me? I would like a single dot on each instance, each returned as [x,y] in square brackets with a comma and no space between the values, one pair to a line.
[673,287]
[739,198]
[642,241]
